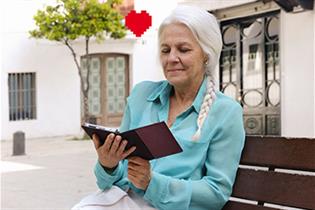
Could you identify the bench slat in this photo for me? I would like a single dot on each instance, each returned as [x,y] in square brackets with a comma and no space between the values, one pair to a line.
[233,205]
[274,187]
[279,152]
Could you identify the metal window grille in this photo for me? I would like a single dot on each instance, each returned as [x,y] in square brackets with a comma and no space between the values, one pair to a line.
[250,70]
[22,96]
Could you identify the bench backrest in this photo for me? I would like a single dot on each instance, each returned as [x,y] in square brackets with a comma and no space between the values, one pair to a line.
[273,185]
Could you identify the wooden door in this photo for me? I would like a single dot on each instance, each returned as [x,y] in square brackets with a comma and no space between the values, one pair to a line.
[115,88]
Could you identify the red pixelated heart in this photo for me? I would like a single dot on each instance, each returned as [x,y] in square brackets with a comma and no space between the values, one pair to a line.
[138,23]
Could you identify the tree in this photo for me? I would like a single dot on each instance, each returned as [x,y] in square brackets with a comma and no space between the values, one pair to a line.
[71,20]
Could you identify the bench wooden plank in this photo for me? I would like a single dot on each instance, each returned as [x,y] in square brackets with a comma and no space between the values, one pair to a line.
[274,187]
[279,152]
[232,205]
[294,190]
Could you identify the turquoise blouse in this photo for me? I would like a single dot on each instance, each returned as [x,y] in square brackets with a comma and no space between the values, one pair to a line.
[200,177]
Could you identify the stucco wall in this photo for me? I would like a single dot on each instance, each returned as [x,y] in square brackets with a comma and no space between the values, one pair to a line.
[215,4]
[20,54]
[314,70]
[297,79]
[297,51]
[58,93]
[146,63]
[1,72]
[57,81]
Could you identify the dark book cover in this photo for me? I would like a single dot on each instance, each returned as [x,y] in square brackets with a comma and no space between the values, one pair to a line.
[151,141]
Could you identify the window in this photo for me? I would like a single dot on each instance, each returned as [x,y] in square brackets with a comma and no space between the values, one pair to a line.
[22,96]
[250,70]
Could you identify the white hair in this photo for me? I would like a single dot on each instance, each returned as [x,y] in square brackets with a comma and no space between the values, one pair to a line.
[206,30]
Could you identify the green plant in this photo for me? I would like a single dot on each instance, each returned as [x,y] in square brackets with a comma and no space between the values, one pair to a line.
[71,20]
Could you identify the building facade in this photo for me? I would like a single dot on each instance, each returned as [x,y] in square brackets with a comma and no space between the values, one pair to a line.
[267,64]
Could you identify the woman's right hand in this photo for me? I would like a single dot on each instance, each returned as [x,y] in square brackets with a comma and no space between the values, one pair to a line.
[112,151]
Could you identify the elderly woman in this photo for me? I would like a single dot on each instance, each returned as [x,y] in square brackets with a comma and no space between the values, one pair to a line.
[207,124]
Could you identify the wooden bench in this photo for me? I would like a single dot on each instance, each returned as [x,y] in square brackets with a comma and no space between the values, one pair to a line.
[275,170]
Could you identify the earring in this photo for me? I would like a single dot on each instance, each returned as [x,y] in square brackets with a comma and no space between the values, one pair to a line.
[206,60]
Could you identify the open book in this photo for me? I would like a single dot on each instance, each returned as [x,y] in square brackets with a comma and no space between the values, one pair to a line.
[151,141]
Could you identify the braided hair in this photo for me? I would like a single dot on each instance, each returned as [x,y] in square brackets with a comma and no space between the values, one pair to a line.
[206,30]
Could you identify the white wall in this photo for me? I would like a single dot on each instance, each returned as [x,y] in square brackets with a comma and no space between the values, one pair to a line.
[146,64]
[1,53]
[297,51]
[56,86]
[57,81]
[57,93]
[297,79]
[314,68]
[143,50]
[215,4]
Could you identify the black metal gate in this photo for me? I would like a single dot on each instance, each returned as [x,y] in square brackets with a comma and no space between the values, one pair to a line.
[250,70]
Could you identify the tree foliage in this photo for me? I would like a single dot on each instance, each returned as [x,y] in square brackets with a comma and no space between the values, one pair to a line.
[70,20]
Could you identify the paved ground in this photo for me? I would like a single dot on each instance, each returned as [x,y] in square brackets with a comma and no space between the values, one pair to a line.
[54,174]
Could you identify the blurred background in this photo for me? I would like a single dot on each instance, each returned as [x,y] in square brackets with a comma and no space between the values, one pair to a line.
[267,64]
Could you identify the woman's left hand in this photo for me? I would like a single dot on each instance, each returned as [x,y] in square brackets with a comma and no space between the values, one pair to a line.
[139,172]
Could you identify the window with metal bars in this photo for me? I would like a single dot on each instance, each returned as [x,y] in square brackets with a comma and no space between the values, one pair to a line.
[22,96]
[250,70]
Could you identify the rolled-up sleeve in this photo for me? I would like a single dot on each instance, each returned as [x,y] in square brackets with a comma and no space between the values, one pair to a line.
[105,180]
[214,189]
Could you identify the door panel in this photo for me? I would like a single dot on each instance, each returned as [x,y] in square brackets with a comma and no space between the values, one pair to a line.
[109,87]
[116,88]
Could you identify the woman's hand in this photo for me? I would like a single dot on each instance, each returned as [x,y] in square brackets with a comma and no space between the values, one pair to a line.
[112,151]
[139,172]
